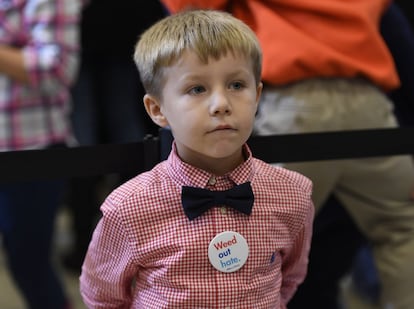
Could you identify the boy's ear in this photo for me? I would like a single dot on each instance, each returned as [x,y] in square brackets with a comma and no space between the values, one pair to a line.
[153,108]
[259,89]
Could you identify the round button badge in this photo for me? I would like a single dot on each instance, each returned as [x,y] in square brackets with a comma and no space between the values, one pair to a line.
[228,251]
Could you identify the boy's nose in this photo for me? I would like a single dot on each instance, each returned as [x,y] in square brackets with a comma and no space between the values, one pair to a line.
[220,104]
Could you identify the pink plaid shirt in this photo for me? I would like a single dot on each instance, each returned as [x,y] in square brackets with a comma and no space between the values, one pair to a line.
[35,115]
[145,253]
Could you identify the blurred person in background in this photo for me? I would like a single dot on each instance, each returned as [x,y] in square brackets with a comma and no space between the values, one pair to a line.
[333,227]
[327,68]
[38,62]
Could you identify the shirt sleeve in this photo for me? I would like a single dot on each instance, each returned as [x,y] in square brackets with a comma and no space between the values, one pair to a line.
[51,49]
[108,270]
[295,262]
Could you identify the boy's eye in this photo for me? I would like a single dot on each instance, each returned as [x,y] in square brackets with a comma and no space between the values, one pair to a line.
[197,90]
[236,85]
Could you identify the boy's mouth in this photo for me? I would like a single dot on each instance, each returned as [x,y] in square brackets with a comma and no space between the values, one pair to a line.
[223,127]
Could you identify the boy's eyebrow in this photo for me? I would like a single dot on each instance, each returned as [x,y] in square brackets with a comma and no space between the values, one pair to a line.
[243,71]
[190,76]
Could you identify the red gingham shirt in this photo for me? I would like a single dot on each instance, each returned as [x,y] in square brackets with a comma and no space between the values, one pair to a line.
[145,253]
[36,114]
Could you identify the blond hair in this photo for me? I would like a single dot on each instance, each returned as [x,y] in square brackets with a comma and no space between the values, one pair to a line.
[208,33]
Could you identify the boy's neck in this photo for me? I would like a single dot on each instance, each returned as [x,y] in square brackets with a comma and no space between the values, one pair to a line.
[219,166]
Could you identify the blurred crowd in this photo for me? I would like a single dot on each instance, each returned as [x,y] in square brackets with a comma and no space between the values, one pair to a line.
[67,79]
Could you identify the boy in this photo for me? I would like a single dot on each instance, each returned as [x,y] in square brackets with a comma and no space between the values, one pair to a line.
[159,244]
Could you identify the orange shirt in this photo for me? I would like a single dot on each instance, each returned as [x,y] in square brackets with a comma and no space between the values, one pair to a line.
[313,38]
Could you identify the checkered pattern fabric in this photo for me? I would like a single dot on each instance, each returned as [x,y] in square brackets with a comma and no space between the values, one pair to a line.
[36,114]
[145,253]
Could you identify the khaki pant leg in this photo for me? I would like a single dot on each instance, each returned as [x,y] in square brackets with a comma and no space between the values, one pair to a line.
[375,191]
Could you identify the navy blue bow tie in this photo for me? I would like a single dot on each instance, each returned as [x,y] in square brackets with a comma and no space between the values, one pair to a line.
[196,201]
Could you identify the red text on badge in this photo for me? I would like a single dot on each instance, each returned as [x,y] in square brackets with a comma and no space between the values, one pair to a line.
[224,244]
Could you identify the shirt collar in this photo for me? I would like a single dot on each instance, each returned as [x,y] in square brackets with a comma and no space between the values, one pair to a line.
[187,175]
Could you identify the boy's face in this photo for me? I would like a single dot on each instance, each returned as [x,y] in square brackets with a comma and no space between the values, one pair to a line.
[210,109]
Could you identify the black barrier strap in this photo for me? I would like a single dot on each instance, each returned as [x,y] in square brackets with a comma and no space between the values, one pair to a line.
[78,161]
[141,156]
[333,145]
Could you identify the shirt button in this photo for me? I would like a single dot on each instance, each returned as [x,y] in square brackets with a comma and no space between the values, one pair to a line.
[212,181]
[223,210]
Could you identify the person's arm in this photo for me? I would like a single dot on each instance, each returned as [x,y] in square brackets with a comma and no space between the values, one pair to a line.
[108,269]
[51,53]
[174,6]
[295,262]
[12,64]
